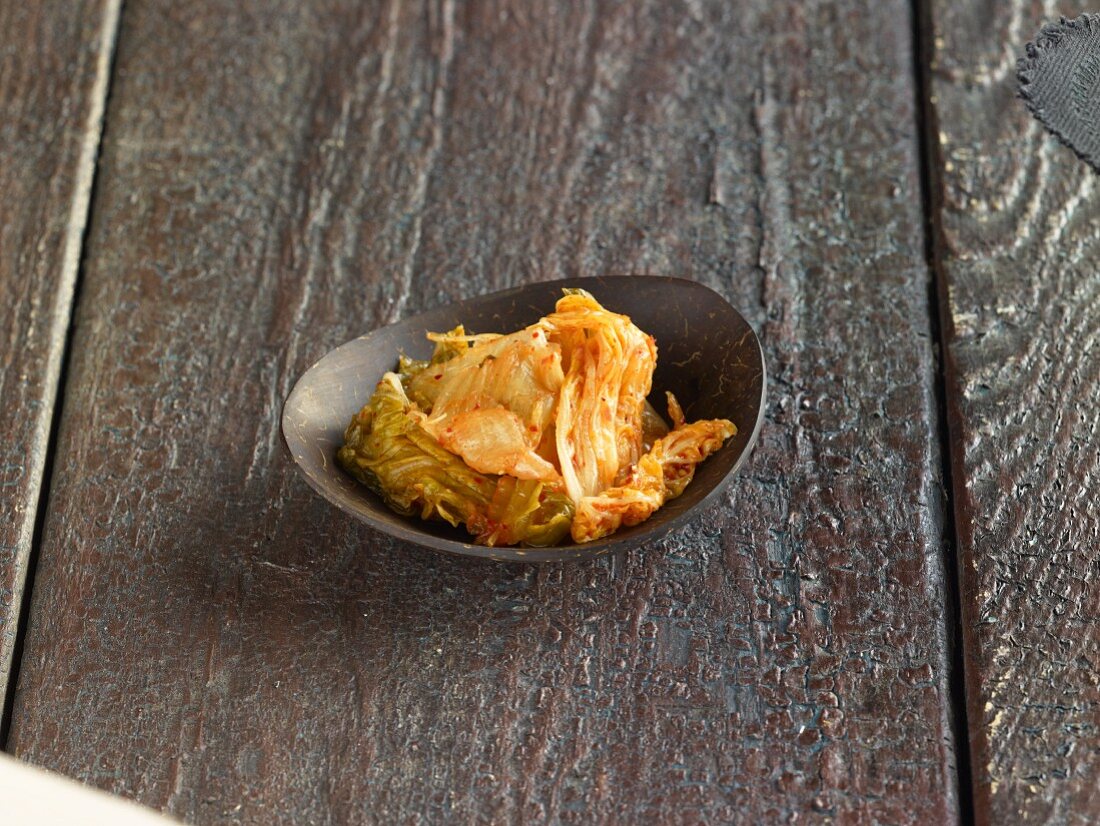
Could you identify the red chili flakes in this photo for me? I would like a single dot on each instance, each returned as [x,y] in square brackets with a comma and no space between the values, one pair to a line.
[437,376]
[534,428]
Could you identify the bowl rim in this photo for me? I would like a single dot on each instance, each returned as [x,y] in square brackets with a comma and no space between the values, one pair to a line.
[406,531]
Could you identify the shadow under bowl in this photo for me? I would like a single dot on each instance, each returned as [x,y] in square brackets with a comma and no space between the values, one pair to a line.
[708,355]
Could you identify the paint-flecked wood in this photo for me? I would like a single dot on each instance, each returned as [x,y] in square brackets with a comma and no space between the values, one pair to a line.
[210,637]
[1019,248]
[53,82]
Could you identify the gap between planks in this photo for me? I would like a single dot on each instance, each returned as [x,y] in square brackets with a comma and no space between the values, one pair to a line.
[932,201]
[61,329]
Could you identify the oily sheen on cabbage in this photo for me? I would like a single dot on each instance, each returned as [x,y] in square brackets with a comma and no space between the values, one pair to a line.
[529,437]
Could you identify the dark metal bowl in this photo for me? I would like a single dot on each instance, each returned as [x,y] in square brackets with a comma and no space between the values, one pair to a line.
[708,356]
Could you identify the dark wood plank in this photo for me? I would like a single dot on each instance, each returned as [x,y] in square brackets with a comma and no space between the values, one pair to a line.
[1020,232]
[53,84]
[210,638]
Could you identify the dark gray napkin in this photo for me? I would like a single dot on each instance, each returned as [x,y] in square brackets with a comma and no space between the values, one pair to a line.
[1060,82]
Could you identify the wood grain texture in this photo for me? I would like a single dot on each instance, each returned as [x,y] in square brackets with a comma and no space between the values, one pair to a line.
[212,639]
[53,85]
[1020,238]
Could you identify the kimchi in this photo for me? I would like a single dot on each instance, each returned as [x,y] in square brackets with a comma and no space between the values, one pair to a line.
[530,437]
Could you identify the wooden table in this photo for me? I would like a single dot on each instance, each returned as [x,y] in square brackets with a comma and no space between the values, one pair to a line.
[890,618]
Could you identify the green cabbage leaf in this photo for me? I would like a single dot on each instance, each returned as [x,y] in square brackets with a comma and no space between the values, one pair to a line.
[388,450]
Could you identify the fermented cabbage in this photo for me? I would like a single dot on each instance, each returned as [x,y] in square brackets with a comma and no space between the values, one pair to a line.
[389,452]
[532,436]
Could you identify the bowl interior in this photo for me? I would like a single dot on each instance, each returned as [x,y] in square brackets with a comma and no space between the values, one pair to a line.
[706,354]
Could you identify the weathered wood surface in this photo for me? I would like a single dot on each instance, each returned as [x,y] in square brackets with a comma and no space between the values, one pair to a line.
[209,637]
[1021,236]
[53,84]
